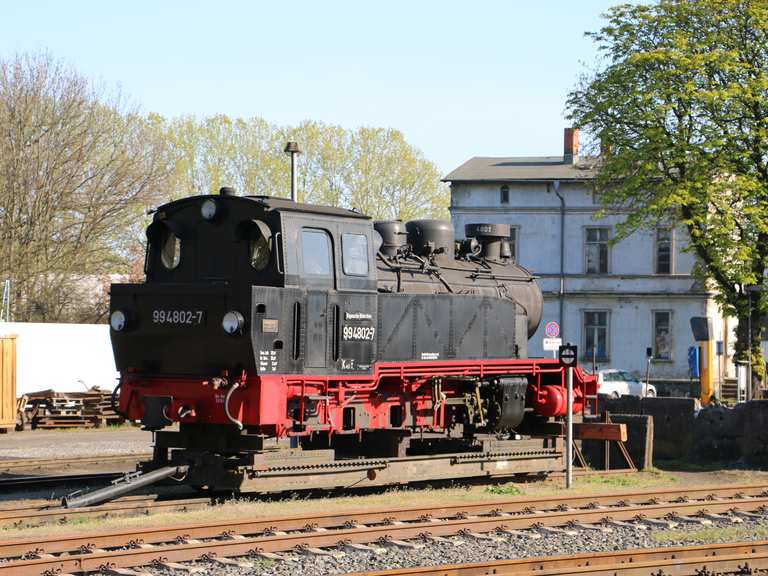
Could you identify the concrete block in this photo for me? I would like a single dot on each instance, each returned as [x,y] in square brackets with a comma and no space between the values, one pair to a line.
[621,405]
[753,441]
[673,425]
[716,434]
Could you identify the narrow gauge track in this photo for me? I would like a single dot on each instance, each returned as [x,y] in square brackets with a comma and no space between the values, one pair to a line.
[267,536]
[42,463]
[681,561]
[130,505]
[134,505]
[33,482]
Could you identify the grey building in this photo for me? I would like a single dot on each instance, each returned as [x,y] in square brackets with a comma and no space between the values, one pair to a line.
[614,301]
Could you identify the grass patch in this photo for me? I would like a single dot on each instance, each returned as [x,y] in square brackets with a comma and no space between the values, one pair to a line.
[504,490]
[681,465]
[644,479]
[712,535]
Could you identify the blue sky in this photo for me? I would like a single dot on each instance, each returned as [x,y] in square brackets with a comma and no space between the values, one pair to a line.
[458,78]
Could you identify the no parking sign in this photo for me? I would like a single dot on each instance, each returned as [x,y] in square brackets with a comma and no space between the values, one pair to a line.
[552,329]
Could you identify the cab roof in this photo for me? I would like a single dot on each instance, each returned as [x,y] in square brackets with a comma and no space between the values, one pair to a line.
[273,203]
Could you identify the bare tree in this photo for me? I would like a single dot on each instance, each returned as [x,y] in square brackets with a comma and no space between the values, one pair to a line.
[76,171]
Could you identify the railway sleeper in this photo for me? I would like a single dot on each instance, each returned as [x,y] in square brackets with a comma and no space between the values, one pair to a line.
[557,530]
[594,527]
[242,564]
[188,568]
[364,548]
[693,520]
[722,517]
[480,536]
[622,524]
[123,572]
[312,551]
[272,556]
[522,533]
[444,540]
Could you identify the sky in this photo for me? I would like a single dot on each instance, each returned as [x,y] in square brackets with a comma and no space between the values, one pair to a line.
[459,79]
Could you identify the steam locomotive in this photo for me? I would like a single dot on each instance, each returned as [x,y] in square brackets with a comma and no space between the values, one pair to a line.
[264,319]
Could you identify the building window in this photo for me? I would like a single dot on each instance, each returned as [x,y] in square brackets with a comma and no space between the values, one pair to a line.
[505,194]
[596,250]
[662,335]
[513,243]
[596,335]
[664,250]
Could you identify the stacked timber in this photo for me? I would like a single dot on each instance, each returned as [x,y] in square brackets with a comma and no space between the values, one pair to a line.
[91,409]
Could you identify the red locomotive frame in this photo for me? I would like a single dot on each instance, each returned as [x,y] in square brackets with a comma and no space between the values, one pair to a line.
[262,403]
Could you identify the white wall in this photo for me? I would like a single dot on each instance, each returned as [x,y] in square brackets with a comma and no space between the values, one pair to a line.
[630,330]
[62,357]
[630,290]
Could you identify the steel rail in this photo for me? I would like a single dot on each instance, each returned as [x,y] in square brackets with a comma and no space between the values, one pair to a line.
[32,516]
[227,545]
[139,504]
[678,560]
[31,482]
[66,462]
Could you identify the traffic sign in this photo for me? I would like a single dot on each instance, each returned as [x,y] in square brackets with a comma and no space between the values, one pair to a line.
[568,354]
[552,344]
[552,330]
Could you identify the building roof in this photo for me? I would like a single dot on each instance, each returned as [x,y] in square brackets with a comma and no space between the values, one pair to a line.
[511,169]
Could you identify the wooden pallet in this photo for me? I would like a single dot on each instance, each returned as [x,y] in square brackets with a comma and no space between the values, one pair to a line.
[48,409]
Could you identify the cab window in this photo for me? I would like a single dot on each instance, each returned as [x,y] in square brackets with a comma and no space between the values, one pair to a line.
[354,248]
[316,252]
[170,249]
[259,245]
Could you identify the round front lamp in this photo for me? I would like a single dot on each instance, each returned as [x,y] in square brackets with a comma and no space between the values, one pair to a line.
[117,320]
[233,322]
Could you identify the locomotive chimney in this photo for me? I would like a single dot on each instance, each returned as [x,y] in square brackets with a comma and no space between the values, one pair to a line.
[292,149]
[570,145]
[494,239]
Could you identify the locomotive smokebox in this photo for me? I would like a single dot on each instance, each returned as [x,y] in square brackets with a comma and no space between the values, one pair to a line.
[493,238]
[428,237]
[393,235]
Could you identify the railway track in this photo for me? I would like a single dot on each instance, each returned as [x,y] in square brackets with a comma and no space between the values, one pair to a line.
[43,463]
[30,516]
[47,481]
[330,533]
[737,558]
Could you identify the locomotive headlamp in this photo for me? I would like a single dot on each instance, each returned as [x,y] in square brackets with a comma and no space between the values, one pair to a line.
[208,209]
[117,320]
[233,322]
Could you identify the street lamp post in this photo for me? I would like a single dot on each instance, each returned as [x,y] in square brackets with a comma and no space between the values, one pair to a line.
[292,149]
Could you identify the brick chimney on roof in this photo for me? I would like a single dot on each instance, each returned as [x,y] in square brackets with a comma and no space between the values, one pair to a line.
[571,145]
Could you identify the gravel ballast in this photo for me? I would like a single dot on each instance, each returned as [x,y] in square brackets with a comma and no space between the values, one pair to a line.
[474,550]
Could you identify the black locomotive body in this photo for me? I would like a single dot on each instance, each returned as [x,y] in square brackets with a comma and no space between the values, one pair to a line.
[265,318]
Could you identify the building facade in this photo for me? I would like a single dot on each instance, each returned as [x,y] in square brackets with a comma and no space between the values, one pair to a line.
[613,300]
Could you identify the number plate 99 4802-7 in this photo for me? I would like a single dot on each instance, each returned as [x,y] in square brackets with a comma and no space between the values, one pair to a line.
[167,317]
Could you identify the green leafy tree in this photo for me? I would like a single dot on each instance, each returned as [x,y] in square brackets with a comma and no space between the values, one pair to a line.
[679,104]
[373,170]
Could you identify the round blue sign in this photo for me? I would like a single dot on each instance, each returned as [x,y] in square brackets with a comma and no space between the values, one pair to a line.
[552,329]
